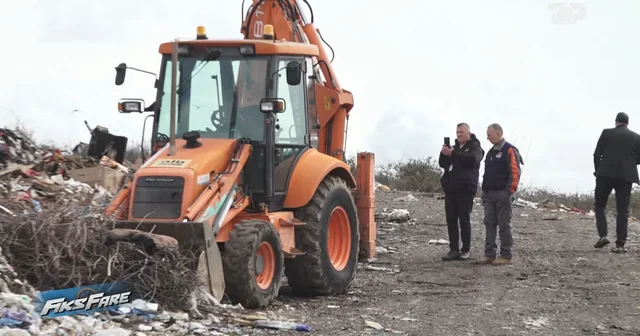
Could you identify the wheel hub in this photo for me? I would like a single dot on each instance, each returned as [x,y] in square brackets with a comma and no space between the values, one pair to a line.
[265,265]
[259,264]
[339,238]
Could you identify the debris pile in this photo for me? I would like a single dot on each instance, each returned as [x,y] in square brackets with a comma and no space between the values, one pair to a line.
[395,215]
[54,236]
[69,247]
[141,317]
[549,205]
[15,298]
[32,177]
[380,186]
[17,305]
[407,198]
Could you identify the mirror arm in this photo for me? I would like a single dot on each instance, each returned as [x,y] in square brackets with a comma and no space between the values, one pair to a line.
[144,71]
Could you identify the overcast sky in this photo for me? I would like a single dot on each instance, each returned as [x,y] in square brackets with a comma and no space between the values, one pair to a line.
[415,70]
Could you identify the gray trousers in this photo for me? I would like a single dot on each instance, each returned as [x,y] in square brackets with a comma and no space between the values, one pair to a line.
[497,220]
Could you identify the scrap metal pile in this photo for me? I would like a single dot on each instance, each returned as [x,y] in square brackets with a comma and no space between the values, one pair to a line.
[53,234]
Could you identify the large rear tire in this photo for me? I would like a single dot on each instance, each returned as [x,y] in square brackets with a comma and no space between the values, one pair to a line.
[253,264]
[329,239]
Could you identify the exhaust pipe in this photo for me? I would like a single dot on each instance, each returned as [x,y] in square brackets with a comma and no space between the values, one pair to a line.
[174,84]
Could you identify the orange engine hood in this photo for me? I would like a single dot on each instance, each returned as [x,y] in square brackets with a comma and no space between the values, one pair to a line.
[195,165]
[212,155]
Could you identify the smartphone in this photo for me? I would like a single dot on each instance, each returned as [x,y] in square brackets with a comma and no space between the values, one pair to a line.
[447,141]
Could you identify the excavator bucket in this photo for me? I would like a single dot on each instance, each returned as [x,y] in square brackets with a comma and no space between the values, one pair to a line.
[196,237]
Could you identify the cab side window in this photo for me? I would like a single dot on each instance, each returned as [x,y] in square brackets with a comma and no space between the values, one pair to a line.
[292,123]
[313,122]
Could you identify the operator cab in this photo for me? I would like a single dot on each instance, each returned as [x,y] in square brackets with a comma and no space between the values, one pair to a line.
[246,89]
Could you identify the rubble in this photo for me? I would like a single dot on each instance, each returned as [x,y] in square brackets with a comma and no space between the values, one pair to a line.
[53,236]
[549,205]
[166,278]
[395,215]
[382,187]
[32,177]
[374,325]
[407,198]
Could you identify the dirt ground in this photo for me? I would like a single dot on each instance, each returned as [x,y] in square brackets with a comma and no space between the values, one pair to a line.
[558,284]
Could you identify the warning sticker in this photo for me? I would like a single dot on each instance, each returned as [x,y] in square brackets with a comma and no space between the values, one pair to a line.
[171,163]
[327,103]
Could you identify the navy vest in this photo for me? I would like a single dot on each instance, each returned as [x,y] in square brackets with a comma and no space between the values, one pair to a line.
[502,169]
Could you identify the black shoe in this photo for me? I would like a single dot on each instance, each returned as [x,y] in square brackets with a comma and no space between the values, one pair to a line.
[619,249]
[452,255]
[602,242]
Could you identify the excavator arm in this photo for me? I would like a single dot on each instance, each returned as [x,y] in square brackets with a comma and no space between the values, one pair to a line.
[333,102]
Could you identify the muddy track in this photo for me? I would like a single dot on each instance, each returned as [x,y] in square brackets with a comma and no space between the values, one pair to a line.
[558,285]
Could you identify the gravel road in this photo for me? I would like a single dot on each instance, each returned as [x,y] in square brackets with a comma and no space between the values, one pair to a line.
[558,284]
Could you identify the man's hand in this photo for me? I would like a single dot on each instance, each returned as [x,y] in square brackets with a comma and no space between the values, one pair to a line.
[446,150]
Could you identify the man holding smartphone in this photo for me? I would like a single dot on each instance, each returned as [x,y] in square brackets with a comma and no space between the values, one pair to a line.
[461,164]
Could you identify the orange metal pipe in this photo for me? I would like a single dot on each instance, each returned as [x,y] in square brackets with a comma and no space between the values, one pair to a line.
[120,198]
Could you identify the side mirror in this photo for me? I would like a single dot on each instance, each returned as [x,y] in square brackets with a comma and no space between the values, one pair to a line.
[131,105]
[121,71]
[272,105]
[294,73]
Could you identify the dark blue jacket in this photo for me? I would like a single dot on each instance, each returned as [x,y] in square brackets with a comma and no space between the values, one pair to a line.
[502,168]
[462,168]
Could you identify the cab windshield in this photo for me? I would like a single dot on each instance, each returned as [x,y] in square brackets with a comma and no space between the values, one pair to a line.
[218,95]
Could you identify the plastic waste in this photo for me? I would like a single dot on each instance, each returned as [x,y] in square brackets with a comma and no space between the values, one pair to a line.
[10,318]
[36,205]
[143,309]
[281,325]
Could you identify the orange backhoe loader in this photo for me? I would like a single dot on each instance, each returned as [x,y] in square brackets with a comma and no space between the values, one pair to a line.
[257,180]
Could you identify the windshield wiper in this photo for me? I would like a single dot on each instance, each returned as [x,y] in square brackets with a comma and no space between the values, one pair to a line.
[234,112]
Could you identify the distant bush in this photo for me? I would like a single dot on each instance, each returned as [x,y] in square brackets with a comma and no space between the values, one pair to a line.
[412,175]
[422,175]
[134,151]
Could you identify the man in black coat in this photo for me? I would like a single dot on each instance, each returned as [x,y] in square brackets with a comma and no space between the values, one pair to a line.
[615,161]
[461,164]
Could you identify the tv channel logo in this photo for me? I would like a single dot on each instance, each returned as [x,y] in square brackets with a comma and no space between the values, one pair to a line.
[82,300]
[567,12]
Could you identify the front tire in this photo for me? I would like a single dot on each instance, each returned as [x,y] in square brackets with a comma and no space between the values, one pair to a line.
[253,264]
[330,240]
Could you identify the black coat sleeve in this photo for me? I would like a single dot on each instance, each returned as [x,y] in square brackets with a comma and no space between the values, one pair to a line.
[637,148]
[444,161]
[597,153]
[468,159]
